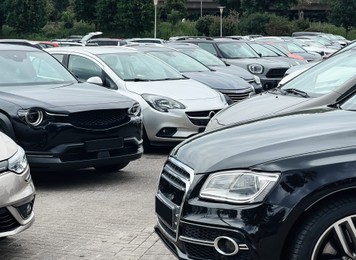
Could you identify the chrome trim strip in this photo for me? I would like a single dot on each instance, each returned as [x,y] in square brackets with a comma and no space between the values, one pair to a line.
[196,241]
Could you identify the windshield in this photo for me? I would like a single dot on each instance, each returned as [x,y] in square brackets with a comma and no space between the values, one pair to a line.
[180,61]
[31,68]
[327,76]
[236,50]
[265,52]
[204,57]
[291,47]
[133,66]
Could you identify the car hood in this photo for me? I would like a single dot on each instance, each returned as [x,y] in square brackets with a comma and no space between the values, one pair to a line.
[65,98]
[264,62]
[7,147]
[267,140]
[251,108]
[180,90]
[234,70]
[218,80]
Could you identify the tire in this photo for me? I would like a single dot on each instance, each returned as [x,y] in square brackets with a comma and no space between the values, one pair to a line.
[321,235]
[111,168]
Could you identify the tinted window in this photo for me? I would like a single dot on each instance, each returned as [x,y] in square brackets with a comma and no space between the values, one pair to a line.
[208,47]
[83,68]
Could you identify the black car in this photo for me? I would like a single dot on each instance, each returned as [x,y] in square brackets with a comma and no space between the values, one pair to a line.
[278,188]
[60,122]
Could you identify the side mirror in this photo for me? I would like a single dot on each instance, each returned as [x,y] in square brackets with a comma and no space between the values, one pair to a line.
[95,80]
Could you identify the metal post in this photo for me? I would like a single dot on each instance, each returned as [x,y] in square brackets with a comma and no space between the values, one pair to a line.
[221,8]
[155,2]
[201,8]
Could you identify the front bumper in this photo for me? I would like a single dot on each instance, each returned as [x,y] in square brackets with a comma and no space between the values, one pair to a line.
[16,203]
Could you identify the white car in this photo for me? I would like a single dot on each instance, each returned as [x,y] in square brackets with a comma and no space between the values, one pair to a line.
[173,107]
[17,191]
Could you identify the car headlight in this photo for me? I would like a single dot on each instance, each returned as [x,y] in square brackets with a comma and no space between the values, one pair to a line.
[162,104]
[135,110]
[257,79]
[32,116]
[255,68]
[238,186]
[18,163]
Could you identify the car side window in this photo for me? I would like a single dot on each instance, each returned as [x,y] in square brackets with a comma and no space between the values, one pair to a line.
[208,47]
[59,57]
[83,68]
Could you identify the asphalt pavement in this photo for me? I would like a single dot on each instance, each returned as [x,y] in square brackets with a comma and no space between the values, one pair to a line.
[89,215]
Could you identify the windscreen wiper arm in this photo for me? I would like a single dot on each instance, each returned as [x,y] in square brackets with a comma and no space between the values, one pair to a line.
[297,92]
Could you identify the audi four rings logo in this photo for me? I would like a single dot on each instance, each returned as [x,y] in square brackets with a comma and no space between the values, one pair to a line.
[211,114]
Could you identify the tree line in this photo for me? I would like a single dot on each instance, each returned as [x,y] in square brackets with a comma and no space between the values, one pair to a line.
[136,17]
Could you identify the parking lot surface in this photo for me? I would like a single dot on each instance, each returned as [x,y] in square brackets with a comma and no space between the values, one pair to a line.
[89,215]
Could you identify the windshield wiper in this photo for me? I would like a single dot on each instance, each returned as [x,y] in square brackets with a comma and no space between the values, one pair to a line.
[137,79]
[296,92]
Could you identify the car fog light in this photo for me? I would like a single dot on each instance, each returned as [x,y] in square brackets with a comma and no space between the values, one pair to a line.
[226,246]
[167,132]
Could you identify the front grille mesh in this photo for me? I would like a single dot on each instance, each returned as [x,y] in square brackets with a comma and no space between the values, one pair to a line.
[99,119]
[276,73]
[237,96]
[201,118]
[7,221]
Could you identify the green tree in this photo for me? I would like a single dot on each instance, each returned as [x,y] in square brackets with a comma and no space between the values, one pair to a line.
[106,11]
[204,23]
[230,4]
[3,13]
[27,16]
[57,8]
[134,17]
[85,10]
[174,10]
[342,13]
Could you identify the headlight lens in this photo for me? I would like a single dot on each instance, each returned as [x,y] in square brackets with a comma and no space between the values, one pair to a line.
[18,163]
[238,186]
[32,116]
[162,104]
[135,110]
[255,68]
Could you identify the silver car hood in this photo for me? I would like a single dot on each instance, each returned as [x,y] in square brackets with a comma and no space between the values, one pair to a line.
[265,104]
[7,147]
[179,90]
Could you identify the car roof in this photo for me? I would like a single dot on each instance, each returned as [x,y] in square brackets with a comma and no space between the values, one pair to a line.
[20,46]
[95,50]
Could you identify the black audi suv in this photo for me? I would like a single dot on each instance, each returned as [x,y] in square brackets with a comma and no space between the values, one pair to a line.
[276,188]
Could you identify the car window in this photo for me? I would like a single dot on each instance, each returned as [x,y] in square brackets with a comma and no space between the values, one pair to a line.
[208,47]
[83,68]
[138,66]
[237,50]
[204,57]
[265,52]
[59,57]
[180,61]
[31,67]
[327,76]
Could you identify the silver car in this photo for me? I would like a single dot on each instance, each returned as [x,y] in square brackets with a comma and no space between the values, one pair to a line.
[173,107]
[17,191]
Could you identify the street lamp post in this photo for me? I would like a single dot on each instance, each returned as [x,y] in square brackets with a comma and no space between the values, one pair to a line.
[201,8]
[155,2]
[221,8]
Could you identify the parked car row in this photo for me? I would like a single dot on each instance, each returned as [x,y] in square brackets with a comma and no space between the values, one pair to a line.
[272,177]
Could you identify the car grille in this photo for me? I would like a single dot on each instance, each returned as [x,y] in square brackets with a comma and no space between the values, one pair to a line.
[201,118]
[276,73]
[99,119]
[7,221]
[196,240]
[173,184]
[237,96]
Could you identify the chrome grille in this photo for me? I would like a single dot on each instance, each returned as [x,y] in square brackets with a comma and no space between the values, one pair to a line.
[201,118]
[237,96]
[174,182]
[99,119]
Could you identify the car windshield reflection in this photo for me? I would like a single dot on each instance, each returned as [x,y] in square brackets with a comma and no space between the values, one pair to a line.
[139,67]
[326,76]
[28,68]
